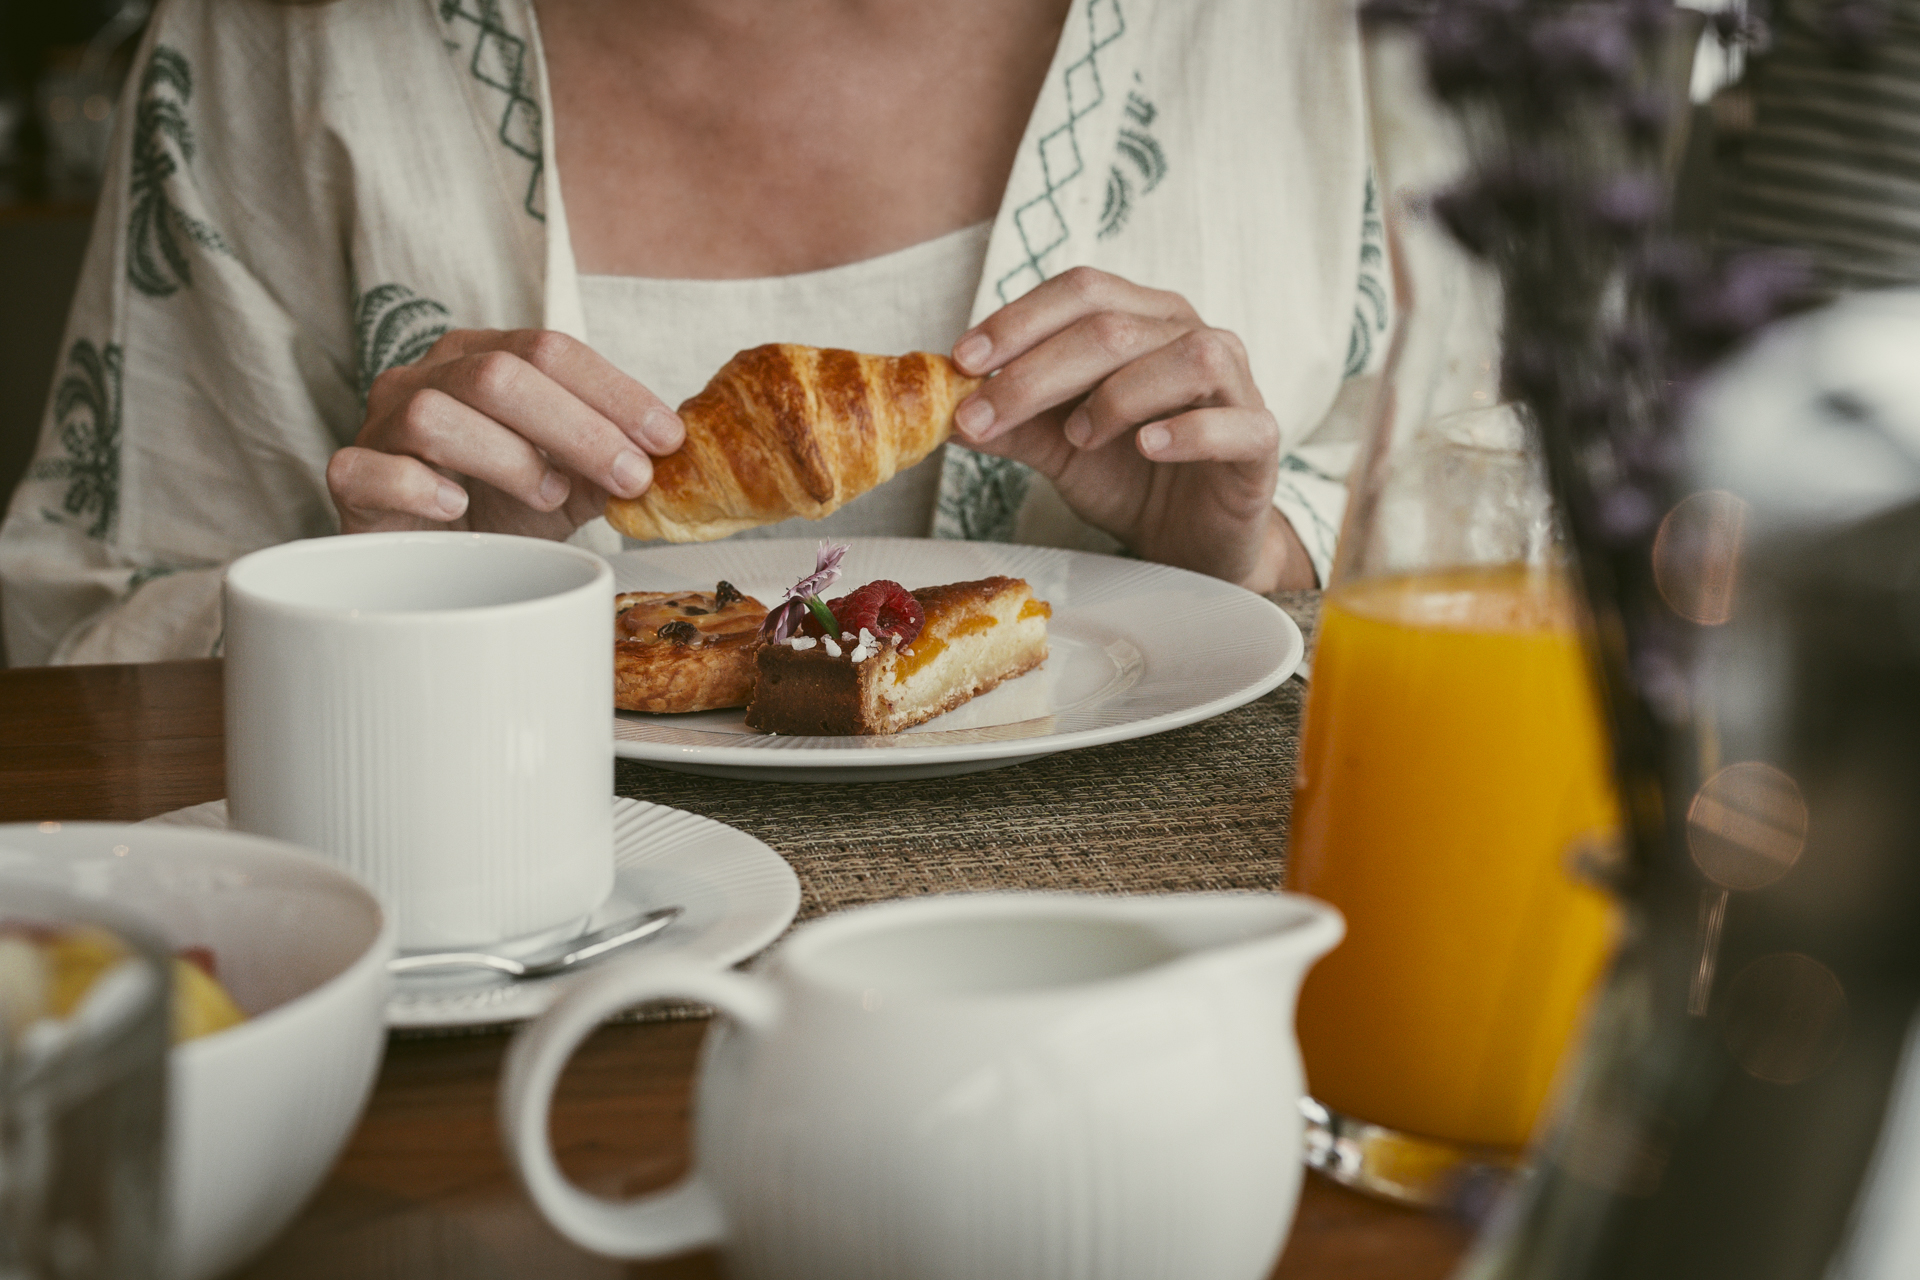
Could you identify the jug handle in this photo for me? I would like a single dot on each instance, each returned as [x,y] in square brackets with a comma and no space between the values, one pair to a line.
[678,1219]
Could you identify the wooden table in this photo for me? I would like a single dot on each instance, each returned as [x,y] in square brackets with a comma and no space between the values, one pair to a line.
[423,1190]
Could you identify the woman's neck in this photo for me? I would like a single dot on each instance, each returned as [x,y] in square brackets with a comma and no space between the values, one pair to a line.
[711,140]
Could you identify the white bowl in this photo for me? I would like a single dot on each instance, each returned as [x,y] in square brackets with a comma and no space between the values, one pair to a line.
[258,1113]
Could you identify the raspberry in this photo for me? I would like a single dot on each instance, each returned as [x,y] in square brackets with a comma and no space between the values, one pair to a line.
[884,608]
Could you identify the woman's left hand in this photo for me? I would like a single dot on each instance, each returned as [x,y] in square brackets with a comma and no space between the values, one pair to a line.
[1147,421]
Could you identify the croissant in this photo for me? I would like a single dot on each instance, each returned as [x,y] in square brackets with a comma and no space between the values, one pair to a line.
[786,431]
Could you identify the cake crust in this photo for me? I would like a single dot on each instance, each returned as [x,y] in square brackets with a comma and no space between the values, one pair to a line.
[977,636]
[681,651]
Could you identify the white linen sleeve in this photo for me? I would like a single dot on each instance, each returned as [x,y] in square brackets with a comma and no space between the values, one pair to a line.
[196,405]
[1312,489]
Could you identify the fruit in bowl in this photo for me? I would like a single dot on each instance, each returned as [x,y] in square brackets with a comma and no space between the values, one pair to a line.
[258,1109]
[50,972]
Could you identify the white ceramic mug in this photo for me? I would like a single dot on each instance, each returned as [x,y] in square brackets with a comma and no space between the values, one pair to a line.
[972,1087]
[435,711]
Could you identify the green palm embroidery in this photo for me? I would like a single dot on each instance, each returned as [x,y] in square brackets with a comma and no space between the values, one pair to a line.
[393,326]
[86,406]
[1372,308]
[157,261]
[980,496]
[1146,158]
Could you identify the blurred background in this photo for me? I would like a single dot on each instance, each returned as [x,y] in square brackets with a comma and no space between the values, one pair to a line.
[62,63]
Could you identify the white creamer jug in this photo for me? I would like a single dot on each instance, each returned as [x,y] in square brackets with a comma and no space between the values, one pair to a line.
[990,1086]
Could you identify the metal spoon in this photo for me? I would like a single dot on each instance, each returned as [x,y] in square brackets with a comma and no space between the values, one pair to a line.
[566,955]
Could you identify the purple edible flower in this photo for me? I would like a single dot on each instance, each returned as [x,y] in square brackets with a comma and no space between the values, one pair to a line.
[784,617]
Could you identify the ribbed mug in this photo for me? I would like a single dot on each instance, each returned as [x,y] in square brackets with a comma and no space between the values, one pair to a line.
[435,711]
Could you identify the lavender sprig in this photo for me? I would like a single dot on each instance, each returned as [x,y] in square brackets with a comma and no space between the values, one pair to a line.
[803,597]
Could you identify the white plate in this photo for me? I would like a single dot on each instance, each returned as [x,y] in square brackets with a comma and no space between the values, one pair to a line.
[1136,648]
[738,896]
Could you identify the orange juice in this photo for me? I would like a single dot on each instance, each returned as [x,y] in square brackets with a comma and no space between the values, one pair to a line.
[1452,756]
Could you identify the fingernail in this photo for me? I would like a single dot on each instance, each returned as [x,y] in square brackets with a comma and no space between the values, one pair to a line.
[554,489]
[452,499]
[663,429]
[973,416]
[1154,438]
[629,473]
[1079,428]
[972,351]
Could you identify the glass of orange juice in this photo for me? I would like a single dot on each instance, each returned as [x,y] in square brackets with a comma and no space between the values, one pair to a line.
[1453,770]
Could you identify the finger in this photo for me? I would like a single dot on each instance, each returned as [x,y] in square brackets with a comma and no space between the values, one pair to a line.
[635,411]
[1200,368]
[375,490]
[1061,369]
[446,431]
[1213,435]
[586,502]
[1030,319]
[513,392]
[1038,443]
[642,416]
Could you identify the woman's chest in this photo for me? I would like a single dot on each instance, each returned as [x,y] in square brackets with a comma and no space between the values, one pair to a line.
[789,139]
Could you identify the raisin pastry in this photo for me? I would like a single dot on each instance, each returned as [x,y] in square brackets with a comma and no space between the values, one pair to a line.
[679,651]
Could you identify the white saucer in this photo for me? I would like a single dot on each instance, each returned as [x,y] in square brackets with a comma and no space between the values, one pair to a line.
[738,896]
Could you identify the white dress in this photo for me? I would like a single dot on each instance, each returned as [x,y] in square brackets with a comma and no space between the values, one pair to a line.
[302,196]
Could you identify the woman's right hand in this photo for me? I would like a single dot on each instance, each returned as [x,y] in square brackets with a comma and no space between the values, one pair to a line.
[526,431]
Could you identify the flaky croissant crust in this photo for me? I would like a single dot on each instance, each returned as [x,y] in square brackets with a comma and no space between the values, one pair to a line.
[786,430]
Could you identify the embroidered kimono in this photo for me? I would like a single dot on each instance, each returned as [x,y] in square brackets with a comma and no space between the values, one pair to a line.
[302,197]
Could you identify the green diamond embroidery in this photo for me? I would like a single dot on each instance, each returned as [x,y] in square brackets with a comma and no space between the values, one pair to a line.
[393,326]
[1371,308]
[1041,226]
[499,61]
[980,496]
[1145,164]
[86,408]
[157,261]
